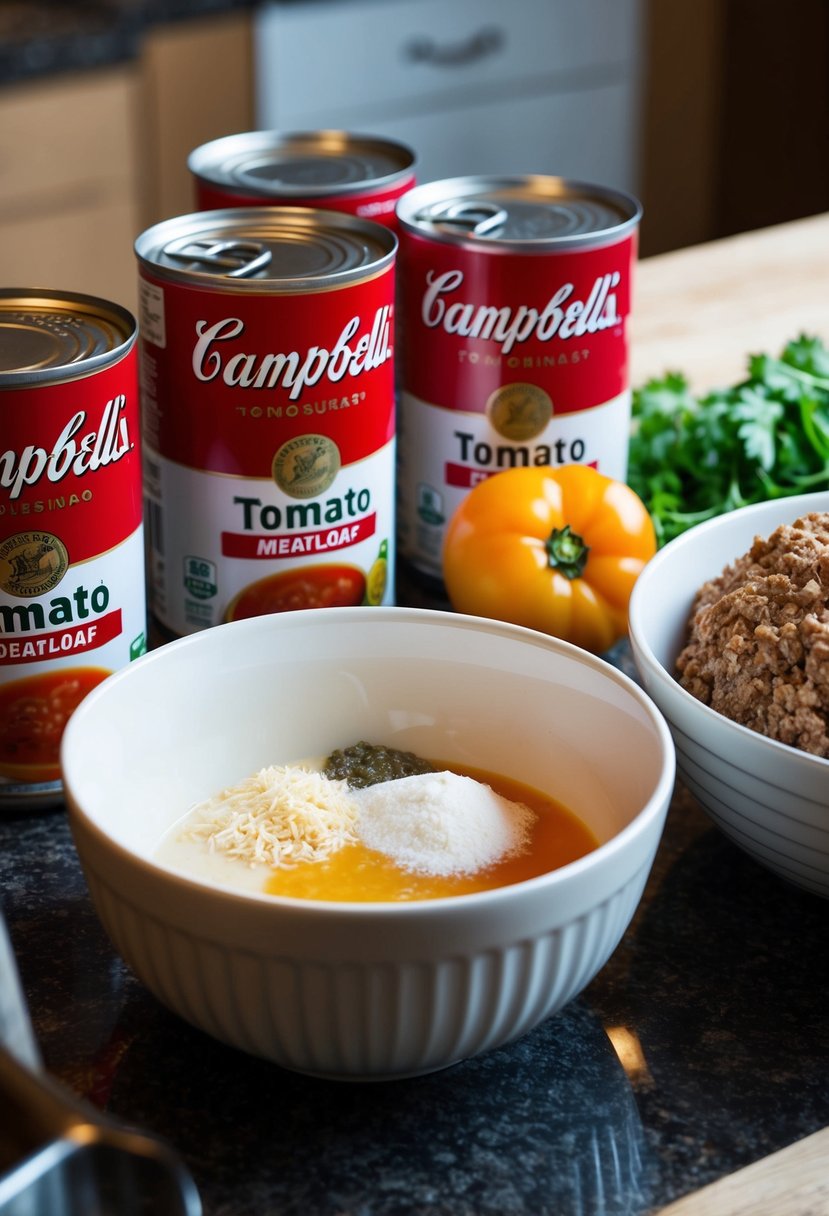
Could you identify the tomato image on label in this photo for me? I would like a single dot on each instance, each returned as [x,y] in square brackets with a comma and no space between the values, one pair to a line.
[33,714]
[324,586]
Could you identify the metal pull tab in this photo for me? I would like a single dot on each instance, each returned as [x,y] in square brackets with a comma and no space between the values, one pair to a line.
[480,217]
[244,258]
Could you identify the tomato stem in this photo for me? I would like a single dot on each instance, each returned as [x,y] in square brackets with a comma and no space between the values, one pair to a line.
[566,552]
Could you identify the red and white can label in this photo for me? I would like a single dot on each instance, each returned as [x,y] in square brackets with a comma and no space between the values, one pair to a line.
[72,591]
[269,427]
[509,359]
[376,204]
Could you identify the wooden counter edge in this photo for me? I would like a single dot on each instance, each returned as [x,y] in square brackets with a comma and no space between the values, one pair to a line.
[791,1182]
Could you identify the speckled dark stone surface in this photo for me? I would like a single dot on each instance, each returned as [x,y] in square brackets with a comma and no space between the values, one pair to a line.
[719,983]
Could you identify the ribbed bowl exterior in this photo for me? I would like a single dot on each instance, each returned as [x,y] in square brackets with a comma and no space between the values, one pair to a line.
[770,799]
[359,1019]
[785,831]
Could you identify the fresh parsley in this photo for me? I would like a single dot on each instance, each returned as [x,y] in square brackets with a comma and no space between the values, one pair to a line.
[691,458]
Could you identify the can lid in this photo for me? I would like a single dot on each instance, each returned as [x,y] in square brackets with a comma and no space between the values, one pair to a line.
[279,249]
[527,213]
[47,337]
[300,164]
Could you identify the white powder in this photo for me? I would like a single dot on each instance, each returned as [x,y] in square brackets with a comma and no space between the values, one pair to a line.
[441,823]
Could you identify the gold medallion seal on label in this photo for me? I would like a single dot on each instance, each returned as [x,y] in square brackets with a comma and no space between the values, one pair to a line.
[32,563]
[306,466]
[519,411]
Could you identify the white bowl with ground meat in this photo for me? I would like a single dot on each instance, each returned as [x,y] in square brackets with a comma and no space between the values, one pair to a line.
[729,626]
[375,989]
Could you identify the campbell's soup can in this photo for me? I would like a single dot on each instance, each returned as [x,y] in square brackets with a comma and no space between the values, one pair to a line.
[267,378]
[514,302]
[359,174]
[72,584]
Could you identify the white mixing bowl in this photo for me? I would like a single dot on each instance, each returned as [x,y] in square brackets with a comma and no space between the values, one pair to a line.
[771,799]
[364,990]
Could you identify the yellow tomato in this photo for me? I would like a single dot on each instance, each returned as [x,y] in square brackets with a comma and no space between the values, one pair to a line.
[555,549]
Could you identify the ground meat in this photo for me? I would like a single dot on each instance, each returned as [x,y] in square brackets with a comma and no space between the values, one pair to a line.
[758,637]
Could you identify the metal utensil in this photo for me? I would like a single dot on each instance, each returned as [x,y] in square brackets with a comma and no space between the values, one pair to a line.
[60,1155]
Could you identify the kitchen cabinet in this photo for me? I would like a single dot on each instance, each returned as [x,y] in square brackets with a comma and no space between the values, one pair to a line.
[69,176]
[89,159]
[652,96]
[473,86]
[196,86]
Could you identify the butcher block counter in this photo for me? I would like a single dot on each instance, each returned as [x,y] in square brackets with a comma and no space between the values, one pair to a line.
[704,310]
[701,1048]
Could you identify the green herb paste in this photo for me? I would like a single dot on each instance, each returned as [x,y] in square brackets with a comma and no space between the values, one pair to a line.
[365,764]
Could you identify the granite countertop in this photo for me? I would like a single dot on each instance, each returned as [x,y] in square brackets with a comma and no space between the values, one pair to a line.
[45,37]
[699,1048]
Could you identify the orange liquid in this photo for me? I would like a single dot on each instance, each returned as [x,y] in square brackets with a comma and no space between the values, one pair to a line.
[356,874]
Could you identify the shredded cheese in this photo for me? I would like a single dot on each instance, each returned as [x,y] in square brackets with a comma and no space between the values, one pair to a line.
[279,817]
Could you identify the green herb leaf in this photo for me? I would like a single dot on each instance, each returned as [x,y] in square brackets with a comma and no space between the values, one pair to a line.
[692,458]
